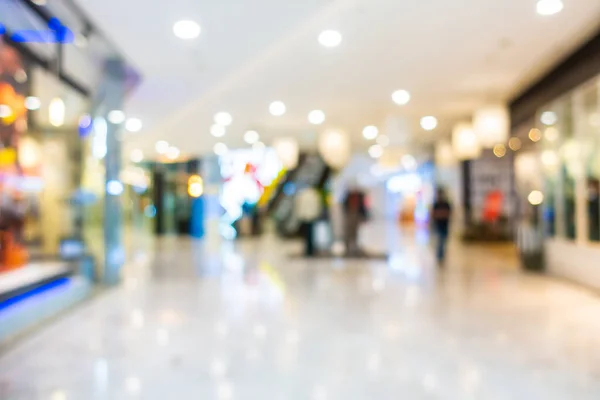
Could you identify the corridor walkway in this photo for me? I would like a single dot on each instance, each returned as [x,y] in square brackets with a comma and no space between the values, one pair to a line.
[245,321]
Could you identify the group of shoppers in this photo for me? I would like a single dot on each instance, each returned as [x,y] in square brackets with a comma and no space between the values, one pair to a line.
[309,209]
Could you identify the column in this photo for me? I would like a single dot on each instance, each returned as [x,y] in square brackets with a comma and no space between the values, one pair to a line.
[112,91]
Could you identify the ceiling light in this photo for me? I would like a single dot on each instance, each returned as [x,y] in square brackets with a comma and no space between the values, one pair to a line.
[133,124]
[223,119]
[401,97]
[5,111]
[186,29]
[251,137]
[39,2]
[116,117]
[220,149]
[136,156]
[32,103]
[376,151]
[515,143]
[114,187]
[172,153]
[56,112]
[535,135]
[370,132]
[161,147]
[499,150]
[429,123]
[316,117]
[217,130]
[330,38]
[85,121]
[549,118]
[277,108]
[383,140]
[535,198]
[549,7]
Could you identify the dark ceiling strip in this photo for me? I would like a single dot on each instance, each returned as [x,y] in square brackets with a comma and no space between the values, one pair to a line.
[47,65]
[576,69]
[38,10]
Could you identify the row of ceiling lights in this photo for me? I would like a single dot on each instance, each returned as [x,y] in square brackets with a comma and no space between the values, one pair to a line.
[188,30]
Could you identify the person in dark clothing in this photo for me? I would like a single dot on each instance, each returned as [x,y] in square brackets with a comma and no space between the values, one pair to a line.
[355,213]
[442,210]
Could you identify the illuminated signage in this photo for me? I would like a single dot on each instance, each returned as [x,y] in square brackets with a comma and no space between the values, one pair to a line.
[56,33]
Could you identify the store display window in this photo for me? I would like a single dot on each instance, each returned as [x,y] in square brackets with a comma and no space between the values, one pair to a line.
[570,159]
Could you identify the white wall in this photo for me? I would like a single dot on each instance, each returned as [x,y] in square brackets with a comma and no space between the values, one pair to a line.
[576,262]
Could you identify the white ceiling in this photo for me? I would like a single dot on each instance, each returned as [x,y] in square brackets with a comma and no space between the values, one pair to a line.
[453,56]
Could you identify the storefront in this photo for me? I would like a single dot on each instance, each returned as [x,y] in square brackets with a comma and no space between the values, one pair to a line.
[59,150]
[562,114]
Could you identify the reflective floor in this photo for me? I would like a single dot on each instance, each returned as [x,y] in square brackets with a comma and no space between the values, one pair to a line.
[219,320]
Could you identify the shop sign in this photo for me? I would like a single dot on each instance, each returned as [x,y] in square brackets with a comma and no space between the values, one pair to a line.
[56,33]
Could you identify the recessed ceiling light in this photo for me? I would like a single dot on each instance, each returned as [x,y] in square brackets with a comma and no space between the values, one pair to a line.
[549,7]
[133,124]
[330,38]
[217,130]
[186,29]
[114,187]
[429,123]
[549,118]
[316,117]
[136,156]
[499,150]
[220,149]
[535,198]
[370,132]
[161,147]
[116,116]
[535,135]
[515,143]
[32,103]
[376,151]
[172,153]
[277,108]
[401,97]
[223,119]
[251,137]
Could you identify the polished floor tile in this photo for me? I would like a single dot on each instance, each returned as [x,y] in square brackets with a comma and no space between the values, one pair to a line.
[215,320]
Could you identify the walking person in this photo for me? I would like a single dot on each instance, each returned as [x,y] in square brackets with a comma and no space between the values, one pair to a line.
[441,213]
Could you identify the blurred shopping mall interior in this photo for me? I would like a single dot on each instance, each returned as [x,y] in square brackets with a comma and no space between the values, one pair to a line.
[300,199]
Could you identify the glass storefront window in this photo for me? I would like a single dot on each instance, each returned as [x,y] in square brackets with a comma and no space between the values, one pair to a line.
[551,167]
[570,167]
[589,126]
[570,157]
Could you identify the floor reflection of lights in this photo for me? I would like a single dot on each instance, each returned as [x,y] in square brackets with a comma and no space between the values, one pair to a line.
[297,329]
